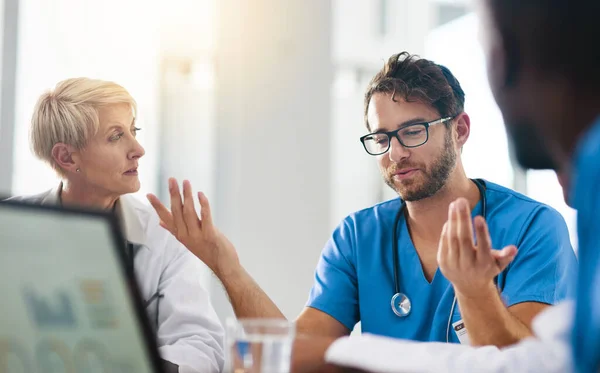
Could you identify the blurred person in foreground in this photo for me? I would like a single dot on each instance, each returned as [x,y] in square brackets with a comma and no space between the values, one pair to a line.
[85,130]
[544,70]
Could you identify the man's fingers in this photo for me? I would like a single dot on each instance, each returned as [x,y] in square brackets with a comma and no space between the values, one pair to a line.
[464,232]
[205,212]
[442,255]
[505,256]
[177,207]
[163,213]
[484,241]
[452,235]
[189,210]
[465,227]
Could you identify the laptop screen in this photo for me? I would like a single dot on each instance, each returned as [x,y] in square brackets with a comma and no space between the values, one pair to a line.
[66,301]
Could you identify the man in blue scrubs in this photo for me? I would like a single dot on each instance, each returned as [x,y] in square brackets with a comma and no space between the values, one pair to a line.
[544,70]
[417,127]
[414,111]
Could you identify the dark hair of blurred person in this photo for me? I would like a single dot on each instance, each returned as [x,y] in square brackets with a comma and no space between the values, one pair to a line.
[544,70]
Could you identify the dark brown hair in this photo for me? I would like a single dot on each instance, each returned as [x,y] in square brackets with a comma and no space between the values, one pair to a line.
[417,79]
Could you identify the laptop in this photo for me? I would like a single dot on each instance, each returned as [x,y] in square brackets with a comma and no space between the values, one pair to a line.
[69,301]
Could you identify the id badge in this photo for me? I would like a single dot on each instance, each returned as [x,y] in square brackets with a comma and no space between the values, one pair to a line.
[461,332]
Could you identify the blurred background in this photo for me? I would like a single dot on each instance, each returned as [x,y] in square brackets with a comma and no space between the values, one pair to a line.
[257,102]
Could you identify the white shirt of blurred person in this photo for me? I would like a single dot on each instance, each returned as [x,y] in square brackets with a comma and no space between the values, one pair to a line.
[441,203]
[85,129]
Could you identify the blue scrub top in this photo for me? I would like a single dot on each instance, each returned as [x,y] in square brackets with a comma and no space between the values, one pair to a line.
[354,279]
[585,197]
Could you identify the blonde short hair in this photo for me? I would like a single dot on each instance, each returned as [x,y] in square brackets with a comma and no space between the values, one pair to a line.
[69,114]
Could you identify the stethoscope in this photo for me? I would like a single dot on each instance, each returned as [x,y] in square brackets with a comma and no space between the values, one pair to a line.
[401,304]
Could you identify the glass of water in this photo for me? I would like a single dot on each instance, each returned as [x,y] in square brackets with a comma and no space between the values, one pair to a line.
[259,345]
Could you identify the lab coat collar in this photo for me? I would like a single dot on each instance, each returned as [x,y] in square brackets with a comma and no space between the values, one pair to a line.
[127,214]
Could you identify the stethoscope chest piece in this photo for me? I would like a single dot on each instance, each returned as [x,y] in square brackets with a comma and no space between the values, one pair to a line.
[401,305]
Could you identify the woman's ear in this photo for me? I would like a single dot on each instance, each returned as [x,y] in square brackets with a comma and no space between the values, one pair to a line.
[63,155]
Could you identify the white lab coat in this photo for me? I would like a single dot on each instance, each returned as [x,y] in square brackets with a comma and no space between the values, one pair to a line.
[188,330]
[548,352]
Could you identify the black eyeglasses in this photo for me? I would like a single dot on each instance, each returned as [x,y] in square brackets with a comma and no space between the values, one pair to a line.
[410,136]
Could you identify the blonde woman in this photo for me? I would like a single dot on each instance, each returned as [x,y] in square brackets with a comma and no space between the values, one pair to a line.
[86,130]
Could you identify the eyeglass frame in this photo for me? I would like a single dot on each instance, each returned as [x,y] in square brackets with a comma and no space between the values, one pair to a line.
[394,133]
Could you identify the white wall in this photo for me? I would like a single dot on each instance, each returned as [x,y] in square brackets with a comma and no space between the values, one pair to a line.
[357,34]
[543,186]
[8,41]
[111,39]
[356,180]
[273,79]
[187,131]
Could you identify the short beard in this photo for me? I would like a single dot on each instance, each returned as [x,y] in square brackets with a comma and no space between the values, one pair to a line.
[436,179]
